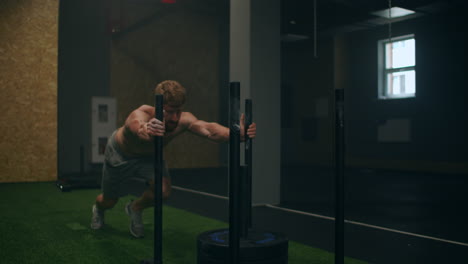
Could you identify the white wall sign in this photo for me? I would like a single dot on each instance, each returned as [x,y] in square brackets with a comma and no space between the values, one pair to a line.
[103,123]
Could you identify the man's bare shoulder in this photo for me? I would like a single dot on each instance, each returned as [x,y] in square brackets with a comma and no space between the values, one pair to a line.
[187,118]
[143,110]
[146,108]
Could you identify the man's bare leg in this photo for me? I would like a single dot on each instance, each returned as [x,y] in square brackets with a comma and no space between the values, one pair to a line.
[134,209]
[102,204]
[147,199]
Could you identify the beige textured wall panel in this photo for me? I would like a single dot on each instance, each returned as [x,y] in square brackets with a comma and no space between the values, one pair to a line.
[28,84]
[183,46]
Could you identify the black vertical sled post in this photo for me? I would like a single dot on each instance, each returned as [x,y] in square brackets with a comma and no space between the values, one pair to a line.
[82,161]
[234,179]
[228,245]
[158,172]
[247,174]
[339,176]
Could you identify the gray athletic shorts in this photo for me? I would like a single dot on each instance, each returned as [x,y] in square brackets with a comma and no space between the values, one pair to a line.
[123,175]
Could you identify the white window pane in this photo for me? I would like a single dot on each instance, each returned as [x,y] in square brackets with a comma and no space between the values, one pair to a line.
[410,82]
[401,83]
[400,54]
[394,84]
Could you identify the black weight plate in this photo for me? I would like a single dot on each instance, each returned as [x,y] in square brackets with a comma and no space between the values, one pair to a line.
[259,245]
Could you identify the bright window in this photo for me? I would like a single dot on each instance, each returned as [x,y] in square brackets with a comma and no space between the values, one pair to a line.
[397,68]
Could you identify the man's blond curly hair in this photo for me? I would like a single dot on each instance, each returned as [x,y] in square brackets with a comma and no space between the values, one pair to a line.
[172,91]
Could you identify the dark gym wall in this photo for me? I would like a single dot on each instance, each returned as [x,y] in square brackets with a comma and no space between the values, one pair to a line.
[437,113]
[185,41]
[307,98]
[307,120]
[28,85]
[438,123]
[83,72]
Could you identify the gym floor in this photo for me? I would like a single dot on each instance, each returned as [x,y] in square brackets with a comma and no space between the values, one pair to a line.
[40,224]
[391,216]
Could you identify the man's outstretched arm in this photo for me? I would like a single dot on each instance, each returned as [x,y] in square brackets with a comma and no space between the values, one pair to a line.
[210,130]
[217,132]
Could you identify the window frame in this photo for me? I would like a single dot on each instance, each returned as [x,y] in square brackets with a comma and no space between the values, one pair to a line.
[383,72]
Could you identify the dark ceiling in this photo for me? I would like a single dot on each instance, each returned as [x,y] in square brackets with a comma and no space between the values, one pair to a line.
[335,16]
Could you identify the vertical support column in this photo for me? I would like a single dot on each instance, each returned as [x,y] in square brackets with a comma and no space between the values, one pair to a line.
[255,61]
[265,92]
[339,176]
[240,42]
[234,173]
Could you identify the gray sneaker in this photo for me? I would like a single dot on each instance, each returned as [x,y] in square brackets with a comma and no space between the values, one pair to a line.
[136,221]
[97,220]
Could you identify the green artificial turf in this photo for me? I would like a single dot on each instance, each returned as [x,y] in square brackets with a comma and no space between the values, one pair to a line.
[40,224]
